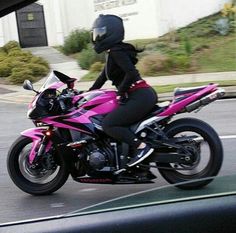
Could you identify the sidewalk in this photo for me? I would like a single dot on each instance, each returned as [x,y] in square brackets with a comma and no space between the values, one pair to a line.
[64,64]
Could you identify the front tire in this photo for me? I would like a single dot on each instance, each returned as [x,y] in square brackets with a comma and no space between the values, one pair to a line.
[30,182]
[215,154]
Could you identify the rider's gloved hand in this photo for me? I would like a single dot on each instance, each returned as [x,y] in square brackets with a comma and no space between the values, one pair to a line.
[78,92]
[122,98]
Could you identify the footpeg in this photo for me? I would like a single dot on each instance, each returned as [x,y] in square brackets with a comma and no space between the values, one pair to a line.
[119,171]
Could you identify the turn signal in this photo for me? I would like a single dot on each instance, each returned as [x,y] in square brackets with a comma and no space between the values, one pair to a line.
[48,133]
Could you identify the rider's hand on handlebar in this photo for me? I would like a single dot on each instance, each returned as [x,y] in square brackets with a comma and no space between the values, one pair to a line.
[122,98]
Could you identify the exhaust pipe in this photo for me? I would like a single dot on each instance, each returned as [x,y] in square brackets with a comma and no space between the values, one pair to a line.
[205,100]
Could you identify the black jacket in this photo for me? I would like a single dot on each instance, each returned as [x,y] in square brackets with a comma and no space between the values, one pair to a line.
[119,68]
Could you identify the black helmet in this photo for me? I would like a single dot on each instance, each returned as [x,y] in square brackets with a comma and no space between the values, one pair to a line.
[107,31]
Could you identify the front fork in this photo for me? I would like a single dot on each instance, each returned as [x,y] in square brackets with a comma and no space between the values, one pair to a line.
[41,138]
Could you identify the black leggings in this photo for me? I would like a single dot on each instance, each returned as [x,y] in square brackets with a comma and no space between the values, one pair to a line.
[116,124]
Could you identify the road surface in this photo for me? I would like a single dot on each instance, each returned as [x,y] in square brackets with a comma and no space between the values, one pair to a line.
[17,205]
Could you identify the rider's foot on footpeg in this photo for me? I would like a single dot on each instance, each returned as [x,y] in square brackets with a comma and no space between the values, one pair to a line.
[141,154]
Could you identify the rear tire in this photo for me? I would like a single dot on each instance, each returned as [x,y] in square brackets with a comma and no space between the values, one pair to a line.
[215,153]
[26,185]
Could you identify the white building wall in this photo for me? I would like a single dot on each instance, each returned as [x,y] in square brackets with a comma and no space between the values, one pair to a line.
[140,17]
[61,17]
[1,33]
[77,14]
[8,29]
[53,21]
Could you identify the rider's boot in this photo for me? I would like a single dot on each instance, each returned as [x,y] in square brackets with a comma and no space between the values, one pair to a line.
[140,155]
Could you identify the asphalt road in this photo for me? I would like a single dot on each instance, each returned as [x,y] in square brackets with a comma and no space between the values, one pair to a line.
[16,205]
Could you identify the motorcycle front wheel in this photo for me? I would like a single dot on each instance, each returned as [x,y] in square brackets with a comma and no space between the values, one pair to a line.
[204,144]
[31,179]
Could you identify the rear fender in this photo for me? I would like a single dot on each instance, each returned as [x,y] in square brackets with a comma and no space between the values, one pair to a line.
[36,134]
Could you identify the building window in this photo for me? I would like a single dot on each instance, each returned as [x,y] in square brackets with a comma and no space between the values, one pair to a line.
[30,16]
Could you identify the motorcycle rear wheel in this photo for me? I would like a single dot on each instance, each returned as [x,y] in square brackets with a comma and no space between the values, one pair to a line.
[33,182]
[208,136]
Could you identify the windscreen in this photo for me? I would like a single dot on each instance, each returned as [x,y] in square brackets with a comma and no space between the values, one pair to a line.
[52,82]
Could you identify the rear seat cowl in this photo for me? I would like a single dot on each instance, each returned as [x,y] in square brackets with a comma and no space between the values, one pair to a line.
[182,91]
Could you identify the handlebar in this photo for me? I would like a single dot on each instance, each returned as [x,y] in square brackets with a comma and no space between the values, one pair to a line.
[62,105]
[61,100]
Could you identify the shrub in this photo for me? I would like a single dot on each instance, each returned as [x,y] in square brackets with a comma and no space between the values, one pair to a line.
[19,65]
[11,45]
[89,56]
[76,41]
[94,72]
[2,56]
[23,56]
[181,62]
[5,69]
[37,69]
[20,74]
[153,63]
[187,46]
[39,61]
[229,11]
[222,26]
[14,62]
[96,67]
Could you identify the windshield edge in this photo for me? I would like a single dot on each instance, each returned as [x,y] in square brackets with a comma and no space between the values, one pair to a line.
[28,221]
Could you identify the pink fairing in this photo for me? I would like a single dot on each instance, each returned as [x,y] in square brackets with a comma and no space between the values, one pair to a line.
[51,121]
[83,118]
[176,107]
[36,135]
[104,103]
[105,98]
[101,109]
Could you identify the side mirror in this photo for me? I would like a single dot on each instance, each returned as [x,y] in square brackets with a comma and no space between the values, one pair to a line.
[27,85]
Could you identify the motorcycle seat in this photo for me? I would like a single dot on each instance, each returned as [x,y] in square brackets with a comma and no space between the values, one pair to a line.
[182,91]
[158,108]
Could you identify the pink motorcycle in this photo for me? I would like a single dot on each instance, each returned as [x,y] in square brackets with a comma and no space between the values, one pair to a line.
[68,140]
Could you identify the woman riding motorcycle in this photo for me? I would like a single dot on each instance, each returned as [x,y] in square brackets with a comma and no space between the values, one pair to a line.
[136,98]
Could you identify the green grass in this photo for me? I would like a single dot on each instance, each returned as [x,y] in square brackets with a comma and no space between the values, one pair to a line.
[170,88]
[220,57]
[207,50]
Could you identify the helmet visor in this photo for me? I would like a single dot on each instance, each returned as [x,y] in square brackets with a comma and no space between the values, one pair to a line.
[98,33]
